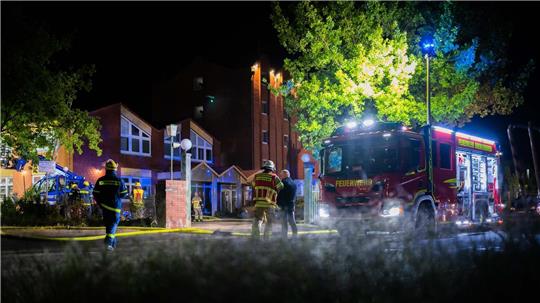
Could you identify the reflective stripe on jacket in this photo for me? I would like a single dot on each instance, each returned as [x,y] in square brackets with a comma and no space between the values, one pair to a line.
[109,191]
[265,189]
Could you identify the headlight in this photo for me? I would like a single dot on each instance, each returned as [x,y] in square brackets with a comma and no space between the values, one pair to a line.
[323,211]
[393,211]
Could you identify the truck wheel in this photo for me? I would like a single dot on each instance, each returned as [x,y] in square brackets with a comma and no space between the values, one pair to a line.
[425,221]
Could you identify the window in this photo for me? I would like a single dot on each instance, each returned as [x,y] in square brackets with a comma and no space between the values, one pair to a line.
[446,160]
[285,140]
[434,153]
[6,187]
[285,116]
[167,145]
[264,107]
[146,184]
[201,150]
[133,140]
[334,160]
[198,83]
[265,137]
[414,156]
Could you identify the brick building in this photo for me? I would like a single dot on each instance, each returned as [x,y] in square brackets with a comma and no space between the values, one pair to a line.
[236,106]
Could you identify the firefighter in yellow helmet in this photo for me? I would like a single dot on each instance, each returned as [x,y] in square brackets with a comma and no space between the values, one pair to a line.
[266,186]
[197,207]
[87,199]
[137,201]
[108,193]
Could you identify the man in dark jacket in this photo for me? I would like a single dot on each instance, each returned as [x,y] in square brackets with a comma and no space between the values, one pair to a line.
[285,201]
[108,193]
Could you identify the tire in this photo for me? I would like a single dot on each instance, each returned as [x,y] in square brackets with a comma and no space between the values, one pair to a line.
[425,224]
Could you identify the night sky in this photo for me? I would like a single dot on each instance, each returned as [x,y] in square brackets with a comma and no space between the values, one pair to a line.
[136,44]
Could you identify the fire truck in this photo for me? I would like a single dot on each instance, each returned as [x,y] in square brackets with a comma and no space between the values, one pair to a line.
[377,174]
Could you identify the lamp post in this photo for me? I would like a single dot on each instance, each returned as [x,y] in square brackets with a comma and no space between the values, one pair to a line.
[171,132]
[308,196]
[186,144]
[428,49]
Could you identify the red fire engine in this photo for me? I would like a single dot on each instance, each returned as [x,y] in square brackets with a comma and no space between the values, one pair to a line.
[376,174]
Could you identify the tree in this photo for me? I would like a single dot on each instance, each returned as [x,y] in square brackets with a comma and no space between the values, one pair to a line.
[349,60]
[38,94]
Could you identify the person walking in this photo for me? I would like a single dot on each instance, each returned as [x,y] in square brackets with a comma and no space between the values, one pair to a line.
[137,201]
[266,186]
[197,207]
[108,192]
[286,202]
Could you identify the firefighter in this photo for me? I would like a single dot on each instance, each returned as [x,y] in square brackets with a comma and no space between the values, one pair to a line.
[86,197]
[197,209]
[137,202]
[72,200]
[266,186]
[108,192]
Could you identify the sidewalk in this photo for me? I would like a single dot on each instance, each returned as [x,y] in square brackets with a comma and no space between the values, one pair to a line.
[224,227]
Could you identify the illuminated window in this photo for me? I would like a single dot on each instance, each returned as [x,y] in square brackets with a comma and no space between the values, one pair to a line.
[285,140]
[133,140]
[265,137]
[201,150]
[146,184]
[6,187]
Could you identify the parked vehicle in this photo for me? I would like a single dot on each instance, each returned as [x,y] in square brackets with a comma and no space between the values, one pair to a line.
[376,176]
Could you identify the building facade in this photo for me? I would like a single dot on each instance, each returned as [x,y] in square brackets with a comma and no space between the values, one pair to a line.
[237,107]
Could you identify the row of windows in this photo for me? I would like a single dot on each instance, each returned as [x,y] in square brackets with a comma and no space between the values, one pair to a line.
[134,141]
[265,110]
[265,138]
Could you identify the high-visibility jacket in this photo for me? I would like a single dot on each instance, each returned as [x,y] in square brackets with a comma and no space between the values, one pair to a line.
[196,201]
[265,189]
[138,194]
[86,195]
[109,191]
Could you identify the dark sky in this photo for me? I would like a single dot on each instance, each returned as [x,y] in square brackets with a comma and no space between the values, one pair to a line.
[134,44]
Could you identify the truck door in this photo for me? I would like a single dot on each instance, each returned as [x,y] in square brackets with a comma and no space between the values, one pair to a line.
[413,181]
[463,183]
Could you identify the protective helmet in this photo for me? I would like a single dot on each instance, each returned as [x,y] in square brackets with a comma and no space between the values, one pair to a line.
[137,184]
[74,185]
[86,183]
[268,164]
[111,165]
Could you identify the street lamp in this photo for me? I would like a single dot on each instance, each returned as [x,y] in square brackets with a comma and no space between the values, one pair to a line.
[428,49]
[186,144]
[171,132]
[308,196]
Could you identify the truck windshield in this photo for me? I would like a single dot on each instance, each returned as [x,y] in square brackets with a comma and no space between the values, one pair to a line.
[361,159]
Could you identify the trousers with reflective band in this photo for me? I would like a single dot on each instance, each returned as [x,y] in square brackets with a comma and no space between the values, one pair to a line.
[117,210]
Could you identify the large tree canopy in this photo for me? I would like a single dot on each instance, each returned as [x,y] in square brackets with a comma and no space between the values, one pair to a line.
[38,94]
[349,60]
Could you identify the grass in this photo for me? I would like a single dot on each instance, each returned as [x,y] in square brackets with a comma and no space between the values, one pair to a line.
[306,270]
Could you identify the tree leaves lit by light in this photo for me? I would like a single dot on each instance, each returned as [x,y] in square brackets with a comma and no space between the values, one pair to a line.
[347,58]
